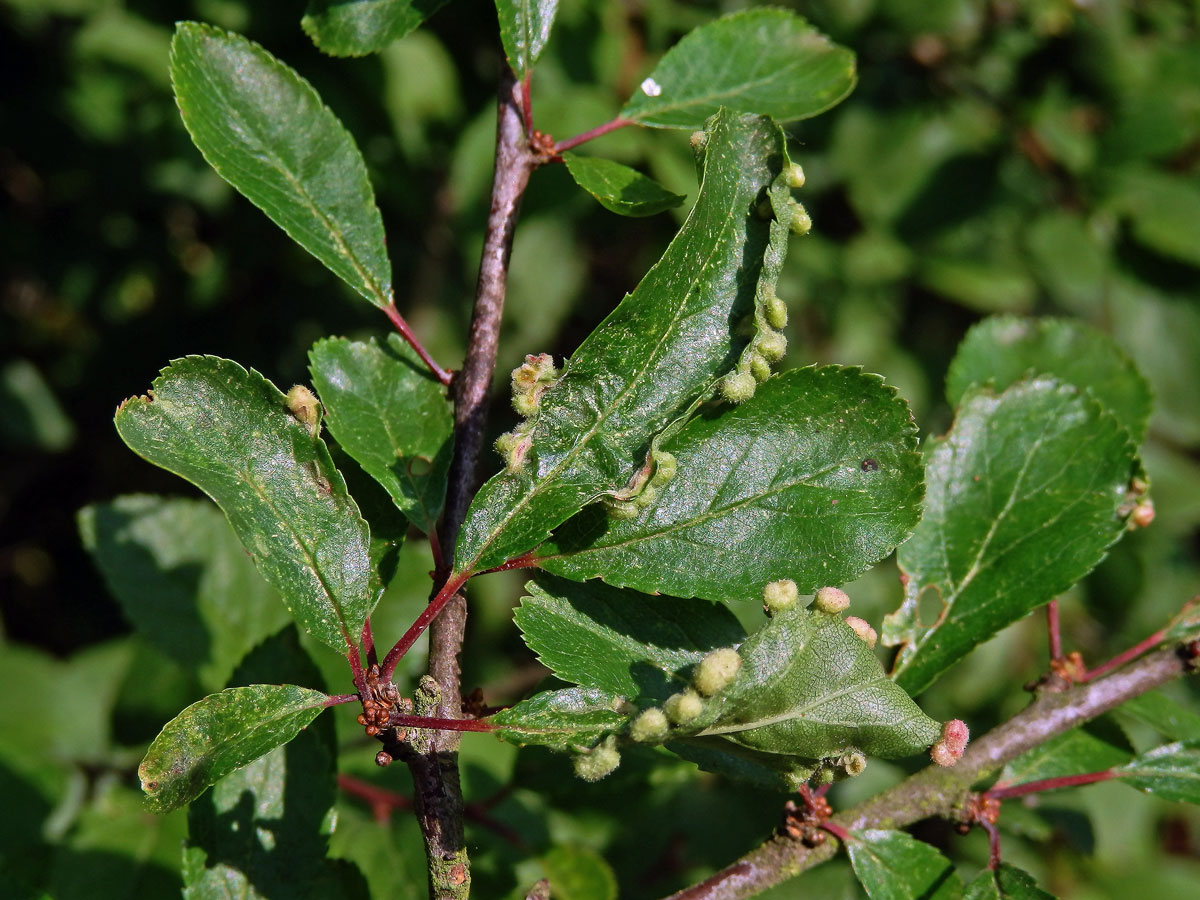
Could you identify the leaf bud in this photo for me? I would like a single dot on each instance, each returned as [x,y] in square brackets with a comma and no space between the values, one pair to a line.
[716,671]
[801,221]
[759,368]
[949,750]
[598,762]
[771,345]
[794,175]
[854,762]
[665,467]
[738,387]
[776,312]
[779,595]
[650,727]
[681,708]
[863,630]
[304,407]
[832,600]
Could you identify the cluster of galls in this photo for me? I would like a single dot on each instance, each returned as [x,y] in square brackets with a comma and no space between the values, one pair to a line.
[712,675]
[769,345]
[382,701]
[530,381]
[643,488]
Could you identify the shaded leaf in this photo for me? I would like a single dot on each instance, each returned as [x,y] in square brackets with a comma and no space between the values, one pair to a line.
[814,478]
[1075,752]
[1005,883]
[1186,625]
[619,188]
[577,873]
[263,829]
[1160,712]
[648,362]
[218,735]
[391,416]
[265,131]
[620,641]
[524,30]
[1164,211]
[767,61]
[1023,498]
[1003,350]
[359,27]
[1171,771]
[182,580]
[892,865]
[567,719]
[229,431]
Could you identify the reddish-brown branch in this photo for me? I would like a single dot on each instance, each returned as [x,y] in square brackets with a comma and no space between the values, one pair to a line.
[368,642]
[1053,629]
[338,699]
[598,131]
[354,656]
[525,561]
[1049,784]
[527,105]
[1121,658]
[428,614]
[434,724]
[439,561]
[836,830]
[407,333]
[993,834]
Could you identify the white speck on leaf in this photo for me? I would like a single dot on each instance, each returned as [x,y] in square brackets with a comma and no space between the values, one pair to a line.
[651,88]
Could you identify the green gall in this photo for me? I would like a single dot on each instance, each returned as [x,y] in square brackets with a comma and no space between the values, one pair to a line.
[832,600]
[535,370]
[763,208]
[599,762]
[759,368]
[801,221]
[771,345]
[716,671]
[681,708]
[526,404]
[665,468]
[854,762]
[863,630]
[304,407]
[698,140]
[513,446]
[779,595]
[794,176]
[823,775]
[621,509]
[738,387]
[776,312]
[648,495]
[650,727]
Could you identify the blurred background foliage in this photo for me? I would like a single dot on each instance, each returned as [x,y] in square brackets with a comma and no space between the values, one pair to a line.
[1013,156]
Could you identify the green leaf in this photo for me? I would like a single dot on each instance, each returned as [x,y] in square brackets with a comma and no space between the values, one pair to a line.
[646,365]
[577,873]
[892,865]
[568,719]
[1005,883]
[1171,771]
[1023,499]
[265,131]
[620,641]
[1164,715]
[524,30]
[767,61]
[815,478]
[230,433]
[1164,211]
[360,27]
[1005,349]
[218,735]
[391,416]
[264,828]
[1075,752]
[182,580]
[1185,626]
[808,692]
[619,188]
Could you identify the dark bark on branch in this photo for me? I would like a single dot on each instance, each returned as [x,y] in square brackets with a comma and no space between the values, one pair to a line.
[434,769]
[937,791]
